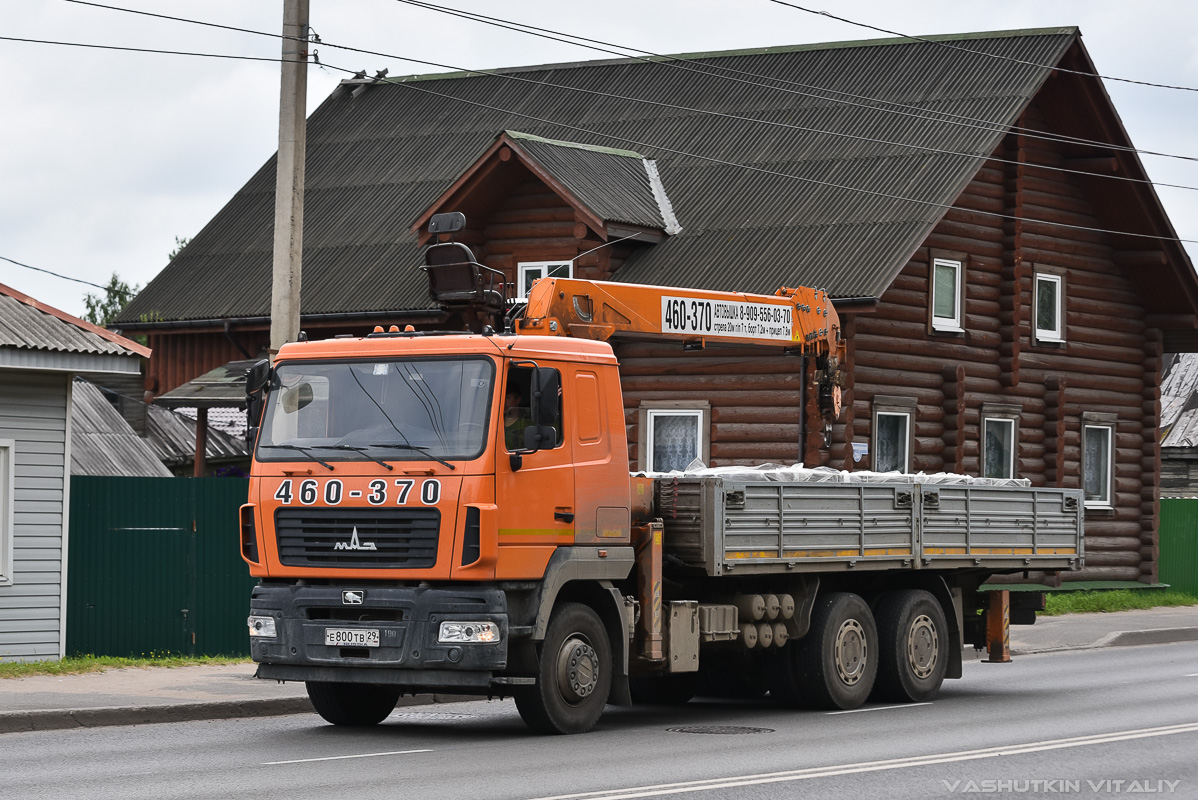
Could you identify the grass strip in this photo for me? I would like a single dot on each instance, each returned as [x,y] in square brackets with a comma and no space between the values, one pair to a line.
[76,665]
[1116,600]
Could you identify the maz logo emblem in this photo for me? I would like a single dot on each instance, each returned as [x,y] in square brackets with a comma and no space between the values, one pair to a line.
[353,598]
[354,544]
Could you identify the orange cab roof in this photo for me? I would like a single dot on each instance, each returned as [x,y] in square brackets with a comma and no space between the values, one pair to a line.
[508,346]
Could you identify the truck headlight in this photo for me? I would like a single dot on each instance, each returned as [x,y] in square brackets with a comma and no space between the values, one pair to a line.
[483,632]
[262,626]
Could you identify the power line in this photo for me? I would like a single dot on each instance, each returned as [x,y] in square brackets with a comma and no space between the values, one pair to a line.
[672,106]
[685,64]
[679,63]
[709,159]
[110,290]
[142,49]
[938,43]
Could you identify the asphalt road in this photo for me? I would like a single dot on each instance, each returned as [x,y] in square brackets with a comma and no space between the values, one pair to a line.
[1100,723]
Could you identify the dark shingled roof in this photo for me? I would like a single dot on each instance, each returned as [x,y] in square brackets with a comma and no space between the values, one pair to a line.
[376,161]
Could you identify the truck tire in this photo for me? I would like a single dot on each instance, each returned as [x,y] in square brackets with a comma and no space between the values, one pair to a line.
[354,704]
[836,663]
[664,690]
[574,672]
[913,642]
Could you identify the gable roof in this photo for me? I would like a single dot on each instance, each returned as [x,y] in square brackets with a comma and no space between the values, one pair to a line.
[375,161]
[604,184]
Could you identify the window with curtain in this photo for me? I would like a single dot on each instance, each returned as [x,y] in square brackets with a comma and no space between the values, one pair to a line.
[674,439]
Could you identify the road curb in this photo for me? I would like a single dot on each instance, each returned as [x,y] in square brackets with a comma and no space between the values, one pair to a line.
[64,719]
[1120,639]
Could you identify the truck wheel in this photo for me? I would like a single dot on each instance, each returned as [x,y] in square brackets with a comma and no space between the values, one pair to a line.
[913,648]
[836,662]
[664,690]
[356,704]
[573,674]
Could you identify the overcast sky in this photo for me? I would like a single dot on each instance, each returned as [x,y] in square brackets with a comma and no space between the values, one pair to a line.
[107,156]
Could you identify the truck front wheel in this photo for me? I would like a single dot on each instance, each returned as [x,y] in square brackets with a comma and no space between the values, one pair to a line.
[836,663]
[574,672]
[914,643]
[355,704]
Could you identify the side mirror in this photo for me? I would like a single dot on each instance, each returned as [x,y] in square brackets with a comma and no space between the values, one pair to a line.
[257,379]
[546,409]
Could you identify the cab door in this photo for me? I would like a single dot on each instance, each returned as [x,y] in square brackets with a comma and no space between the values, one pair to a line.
[534,489]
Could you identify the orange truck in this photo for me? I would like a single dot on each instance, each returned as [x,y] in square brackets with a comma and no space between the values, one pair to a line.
[453,512]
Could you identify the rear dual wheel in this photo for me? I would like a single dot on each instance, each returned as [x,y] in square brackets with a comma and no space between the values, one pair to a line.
[834,666]
[913,648]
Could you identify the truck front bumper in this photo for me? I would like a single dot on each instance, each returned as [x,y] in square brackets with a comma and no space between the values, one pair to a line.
[407,621]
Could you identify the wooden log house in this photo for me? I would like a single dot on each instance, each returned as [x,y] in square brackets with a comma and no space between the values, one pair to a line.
[1006,275]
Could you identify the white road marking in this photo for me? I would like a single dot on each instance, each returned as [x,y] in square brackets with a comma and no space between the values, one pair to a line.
[339,758]
[688,787]
[1192,675]
[876,708]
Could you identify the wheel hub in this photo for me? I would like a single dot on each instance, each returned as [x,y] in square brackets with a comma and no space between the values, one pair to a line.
[923,646]
[577,670]
[851,654]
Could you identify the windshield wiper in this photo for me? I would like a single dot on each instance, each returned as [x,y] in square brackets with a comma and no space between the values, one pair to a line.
[417,448]
[304,450]
[361,450]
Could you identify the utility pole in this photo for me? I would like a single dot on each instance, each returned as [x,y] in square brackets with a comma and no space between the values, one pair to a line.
[289,180]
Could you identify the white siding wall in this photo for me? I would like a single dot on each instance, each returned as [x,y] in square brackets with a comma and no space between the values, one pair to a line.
[33,413]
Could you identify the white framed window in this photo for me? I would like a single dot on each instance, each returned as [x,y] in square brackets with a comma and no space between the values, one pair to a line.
[531,271]
[998,447]
[673,433]
[7,481]
[892,441]
[1049,307]
[947,295]
[1097,465]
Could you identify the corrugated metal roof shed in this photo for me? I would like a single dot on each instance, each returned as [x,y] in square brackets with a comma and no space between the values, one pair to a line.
[376,161]
[1179,401]
[173,439]
[27,324]
[102,443]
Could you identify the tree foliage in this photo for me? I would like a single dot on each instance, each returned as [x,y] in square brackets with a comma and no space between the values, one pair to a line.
[102,309]
[180,243]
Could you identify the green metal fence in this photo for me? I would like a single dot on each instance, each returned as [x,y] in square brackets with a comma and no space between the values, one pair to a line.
[1179,544]
[154,567]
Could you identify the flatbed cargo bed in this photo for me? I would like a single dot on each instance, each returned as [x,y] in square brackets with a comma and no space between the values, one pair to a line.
[730,525]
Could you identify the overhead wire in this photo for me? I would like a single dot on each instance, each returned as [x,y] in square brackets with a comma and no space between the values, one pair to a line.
[675,151]
[110,290]
[672,106]
[999,56]
[687,63]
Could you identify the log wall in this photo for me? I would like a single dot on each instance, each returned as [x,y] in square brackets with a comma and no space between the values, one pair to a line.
[1110,361]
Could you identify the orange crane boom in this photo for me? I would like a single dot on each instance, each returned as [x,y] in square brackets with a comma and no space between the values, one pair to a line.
[795,320]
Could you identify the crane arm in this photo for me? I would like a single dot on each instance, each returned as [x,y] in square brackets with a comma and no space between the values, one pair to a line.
[793,320]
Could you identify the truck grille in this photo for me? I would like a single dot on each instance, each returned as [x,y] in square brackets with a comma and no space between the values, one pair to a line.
[395,538]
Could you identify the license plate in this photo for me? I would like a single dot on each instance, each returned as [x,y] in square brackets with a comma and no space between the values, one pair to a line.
[336,637]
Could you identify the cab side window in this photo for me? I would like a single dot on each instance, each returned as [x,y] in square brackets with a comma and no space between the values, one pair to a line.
[518,398]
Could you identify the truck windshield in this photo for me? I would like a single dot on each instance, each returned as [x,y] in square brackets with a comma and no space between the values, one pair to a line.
[394,410]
